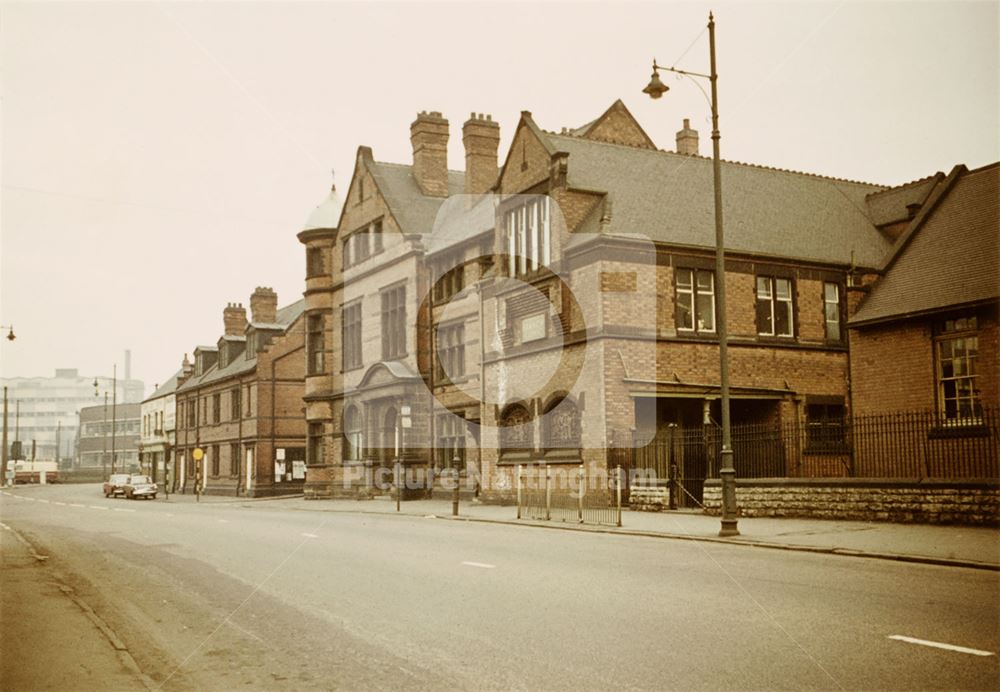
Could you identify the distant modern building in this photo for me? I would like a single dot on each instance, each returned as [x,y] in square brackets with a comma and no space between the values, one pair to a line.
[109,438]
[158,434]
[49,408]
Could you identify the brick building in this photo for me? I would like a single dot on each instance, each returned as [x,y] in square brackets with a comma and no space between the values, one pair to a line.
[108,438]
[926,338]
[551,307]
[240,402]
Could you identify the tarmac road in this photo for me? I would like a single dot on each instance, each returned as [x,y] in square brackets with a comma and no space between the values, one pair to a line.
[227,595]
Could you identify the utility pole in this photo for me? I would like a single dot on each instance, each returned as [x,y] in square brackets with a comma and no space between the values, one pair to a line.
[104,455]
[3,480]
[58,442]
[114,403]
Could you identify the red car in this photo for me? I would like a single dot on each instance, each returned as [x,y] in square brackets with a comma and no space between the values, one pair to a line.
[116,484]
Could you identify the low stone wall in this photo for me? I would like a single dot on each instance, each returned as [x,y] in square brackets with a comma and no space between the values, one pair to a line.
[866,499]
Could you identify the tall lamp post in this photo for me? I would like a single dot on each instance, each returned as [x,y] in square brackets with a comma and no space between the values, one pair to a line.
[727,472]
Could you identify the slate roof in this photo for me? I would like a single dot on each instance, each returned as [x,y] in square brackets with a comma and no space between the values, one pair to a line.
[888,206]
[669,198]
[950,255]
[241,364]
[414,211]
[168,387]
[456,222]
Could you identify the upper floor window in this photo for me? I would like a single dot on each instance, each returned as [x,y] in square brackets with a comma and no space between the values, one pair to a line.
[450,352]
[352,336]
[957,356]
[449,283]
[528,236]
[217,408]
[695,300]
[234,404]
[774,306]
[316,345]
[393,323]
[362,244]
[315,449]
[314,262]
[831,311]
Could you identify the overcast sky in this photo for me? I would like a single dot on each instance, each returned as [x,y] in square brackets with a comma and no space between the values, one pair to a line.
[159,158]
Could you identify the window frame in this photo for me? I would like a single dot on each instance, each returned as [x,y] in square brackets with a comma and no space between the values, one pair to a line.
[694,290]
[351,336]
[952,331]
[835,308]
[772,300]
[449,353]
[393,322]
[315,344]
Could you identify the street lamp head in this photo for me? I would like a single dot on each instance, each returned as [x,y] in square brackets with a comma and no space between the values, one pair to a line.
[655,88]
[10,335]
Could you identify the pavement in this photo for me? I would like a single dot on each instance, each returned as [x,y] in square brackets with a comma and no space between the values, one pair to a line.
[951,545]
[61,622]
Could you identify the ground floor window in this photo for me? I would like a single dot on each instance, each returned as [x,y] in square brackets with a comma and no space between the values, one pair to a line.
[450,448]
[957,343]
[826,425]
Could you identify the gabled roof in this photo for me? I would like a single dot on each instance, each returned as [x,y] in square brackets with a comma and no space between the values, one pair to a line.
[616,125]
[413,211]
[890,205]
[285,318]
[948,257]
[670,198]
[168,387]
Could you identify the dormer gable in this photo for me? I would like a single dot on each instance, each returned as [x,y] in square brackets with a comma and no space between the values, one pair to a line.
[204,358]
[616,125]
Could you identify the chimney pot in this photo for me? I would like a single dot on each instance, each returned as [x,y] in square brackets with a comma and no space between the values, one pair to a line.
[234,319]
[429,138]
[481,137]
[264,305]
[687,140]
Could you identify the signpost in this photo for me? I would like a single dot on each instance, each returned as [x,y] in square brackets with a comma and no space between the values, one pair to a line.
[198,454]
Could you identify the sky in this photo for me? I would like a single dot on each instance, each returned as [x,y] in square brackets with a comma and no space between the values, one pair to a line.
[158,159]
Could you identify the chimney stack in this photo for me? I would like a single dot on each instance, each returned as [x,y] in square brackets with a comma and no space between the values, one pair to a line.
[429,137]
[264,305]
[187,369]
[687,140]
[481,137]
[234,319]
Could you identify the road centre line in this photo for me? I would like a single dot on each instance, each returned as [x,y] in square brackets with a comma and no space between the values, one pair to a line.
[940,645]
[45,501]
[96,507]
[123,509]
[483,565]
[73,504]
[58,503]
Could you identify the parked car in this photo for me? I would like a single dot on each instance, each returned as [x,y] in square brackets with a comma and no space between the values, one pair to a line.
[115,485]
[140,486]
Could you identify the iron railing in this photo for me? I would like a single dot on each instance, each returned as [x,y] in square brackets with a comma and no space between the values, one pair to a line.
[904,445]
[560,492]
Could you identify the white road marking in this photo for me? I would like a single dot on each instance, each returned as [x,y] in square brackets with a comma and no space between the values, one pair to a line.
[71,504]
[96,507]
[28,498]
[479,564]
[310,535]
[123,509]
[941,645]
[5,527]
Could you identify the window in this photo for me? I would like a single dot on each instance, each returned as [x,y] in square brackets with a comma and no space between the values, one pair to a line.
[353,439]
[249,403]
[774,306]
[450,352]
[957,354]
[450,441]
[528,236]
[316,449]
[376,232]
[314,262]
[214,458]
[352,336]
[449,283]
[831,311]
[316,345]
[362,244]
[217,407]
[826,425]
[695,300]
[561,426]
[191,413]
[394,323]
[234,459]
[234,404]
[204,410]
[516,430]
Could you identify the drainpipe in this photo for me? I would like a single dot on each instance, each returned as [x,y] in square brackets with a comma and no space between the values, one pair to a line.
[239,441]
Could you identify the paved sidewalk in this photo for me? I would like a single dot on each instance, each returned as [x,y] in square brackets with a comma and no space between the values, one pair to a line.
[948,545]
[43,620]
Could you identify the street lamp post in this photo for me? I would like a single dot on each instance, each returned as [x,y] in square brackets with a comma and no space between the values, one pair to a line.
[727,472]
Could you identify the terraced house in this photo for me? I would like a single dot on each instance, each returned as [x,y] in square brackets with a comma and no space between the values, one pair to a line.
[559,309]
[240,402]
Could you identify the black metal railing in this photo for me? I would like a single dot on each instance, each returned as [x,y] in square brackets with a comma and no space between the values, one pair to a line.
[903,445]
